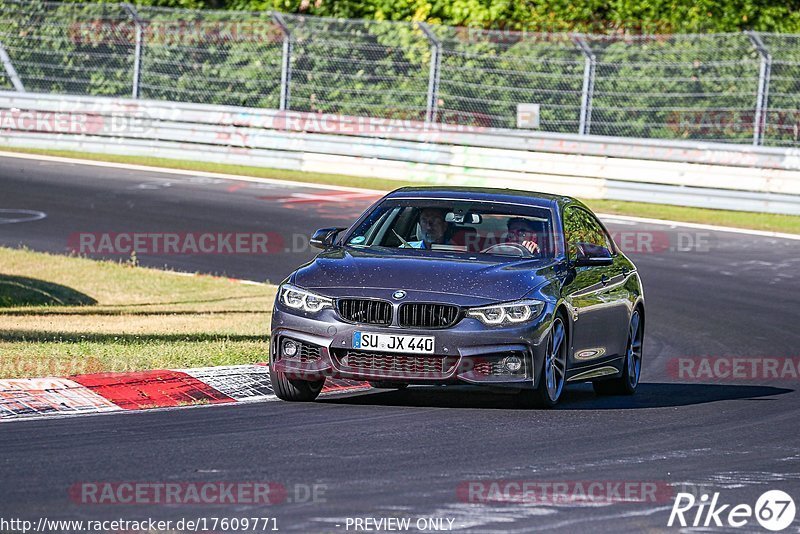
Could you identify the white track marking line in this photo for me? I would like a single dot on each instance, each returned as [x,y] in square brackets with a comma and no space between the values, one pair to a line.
[249,282]
[237,280]
[28,216]
[302,197]
[615,220]
[181,172]
[698,226]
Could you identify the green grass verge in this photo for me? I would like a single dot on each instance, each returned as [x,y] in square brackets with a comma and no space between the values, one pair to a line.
[770,222]
[737,219]
[62,315]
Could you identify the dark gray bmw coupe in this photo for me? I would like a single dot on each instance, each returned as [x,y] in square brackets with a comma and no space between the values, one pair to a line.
[450,285]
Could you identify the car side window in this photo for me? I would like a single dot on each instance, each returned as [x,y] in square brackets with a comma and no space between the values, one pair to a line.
[580,226]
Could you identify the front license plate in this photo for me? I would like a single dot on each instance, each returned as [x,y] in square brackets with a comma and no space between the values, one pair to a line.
[394,343]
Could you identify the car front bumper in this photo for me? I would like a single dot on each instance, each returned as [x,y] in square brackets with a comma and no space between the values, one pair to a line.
[468,352]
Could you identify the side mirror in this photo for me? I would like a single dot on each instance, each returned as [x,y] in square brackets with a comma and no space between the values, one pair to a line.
[324,237]
[589,255]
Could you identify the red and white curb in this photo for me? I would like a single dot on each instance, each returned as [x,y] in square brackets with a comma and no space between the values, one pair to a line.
[28,398]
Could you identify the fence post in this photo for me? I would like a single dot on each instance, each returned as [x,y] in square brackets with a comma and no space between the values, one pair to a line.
[137,49]
[431,109]
[10,70]
[588,84]
[286,61]
[762,100]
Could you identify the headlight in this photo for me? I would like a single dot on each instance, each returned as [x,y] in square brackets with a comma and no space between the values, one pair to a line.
[508,313]
[300,299]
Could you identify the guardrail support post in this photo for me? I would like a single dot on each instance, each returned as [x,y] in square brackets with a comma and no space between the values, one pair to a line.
[762,100]
[432,105]
[137,49]
[286,61]
[588,84]
[10,70]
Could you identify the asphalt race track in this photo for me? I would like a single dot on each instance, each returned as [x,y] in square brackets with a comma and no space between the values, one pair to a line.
[406,454]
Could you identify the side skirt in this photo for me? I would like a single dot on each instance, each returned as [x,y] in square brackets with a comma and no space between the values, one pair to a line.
[606,369]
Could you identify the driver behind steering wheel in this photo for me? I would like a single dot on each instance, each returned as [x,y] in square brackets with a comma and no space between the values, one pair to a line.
[523,232]
[435,230]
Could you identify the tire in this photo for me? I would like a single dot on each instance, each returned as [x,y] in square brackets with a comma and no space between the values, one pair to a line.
[294,390]
[632,369]
[551,380]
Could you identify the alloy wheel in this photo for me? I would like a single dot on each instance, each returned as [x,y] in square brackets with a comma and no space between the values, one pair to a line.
[634,358]
[555,361]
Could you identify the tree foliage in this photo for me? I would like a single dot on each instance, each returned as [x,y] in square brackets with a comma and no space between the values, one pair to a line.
[678,87]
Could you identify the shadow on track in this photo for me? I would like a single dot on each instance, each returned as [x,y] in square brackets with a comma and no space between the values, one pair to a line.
[578,397]
[24,291]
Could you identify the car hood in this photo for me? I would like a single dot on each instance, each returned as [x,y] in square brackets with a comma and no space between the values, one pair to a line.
[424,275]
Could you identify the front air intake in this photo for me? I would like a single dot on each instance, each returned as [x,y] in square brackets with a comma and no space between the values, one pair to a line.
[365,311]
[424,315]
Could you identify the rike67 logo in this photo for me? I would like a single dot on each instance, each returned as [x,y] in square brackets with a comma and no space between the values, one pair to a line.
[774,510]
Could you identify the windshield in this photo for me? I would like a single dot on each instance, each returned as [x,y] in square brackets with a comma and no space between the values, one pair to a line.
[462,226]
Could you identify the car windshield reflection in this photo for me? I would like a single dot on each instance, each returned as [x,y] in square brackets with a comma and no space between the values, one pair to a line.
[464,228]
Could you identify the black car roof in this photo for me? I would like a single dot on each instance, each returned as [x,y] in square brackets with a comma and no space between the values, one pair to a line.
[482,193]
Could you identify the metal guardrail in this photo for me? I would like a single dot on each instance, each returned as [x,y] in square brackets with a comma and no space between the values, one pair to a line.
[733,87]
[706,175]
